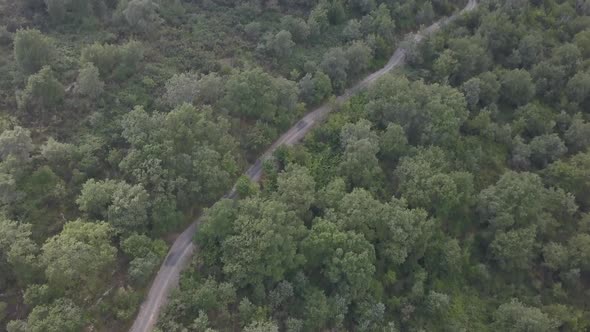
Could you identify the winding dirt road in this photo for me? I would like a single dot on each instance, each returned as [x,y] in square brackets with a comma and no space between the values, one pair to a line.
[183,248]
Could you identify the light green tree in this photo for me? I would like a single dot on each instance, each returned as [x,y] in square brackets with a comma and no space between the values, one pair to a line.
[79,260]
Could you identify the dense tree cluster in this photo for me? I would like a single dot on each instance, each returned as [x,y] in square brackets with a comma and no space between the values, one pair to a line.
[454,197]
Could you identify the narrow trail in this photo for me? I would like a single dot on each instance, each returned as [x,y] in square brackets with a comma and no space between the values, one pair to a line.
[183,247]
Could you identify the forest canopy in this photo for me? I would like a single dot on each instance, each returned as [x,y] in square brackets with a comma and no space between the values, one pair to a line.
[452,194]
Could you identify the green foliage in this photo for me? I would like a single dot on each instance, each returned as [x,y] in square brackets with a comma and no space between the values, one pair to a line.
[89,83]
[245,187]
[516,209]
[142,15]
[79,260]
[318,20]
[315,88]
[297,27]
[207,296]
[352,30]
[3,306]
[17,144]
[360,162]
[516,317]
[578,87]
[515,249]
[403,212]
[255,94]
[62,315]
[18,249]
[42,97]
[280,45]
[429,114]
[296,189]
[426,182]
[393,142]
[360,55]
[140,246]
[114,61]
[63,11]
[517,87]
[160,145]
[181,88]
[262,326]
[263,245]
[579,248]
[32,50]
[582,41]
[124,206]
[572,175]
[125,303]
[346,259]
[6,36]
[335,65]
[217,225]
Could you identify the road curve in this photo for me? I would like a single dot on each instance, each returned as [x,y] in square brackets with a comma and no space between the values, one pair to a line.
[181,251]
